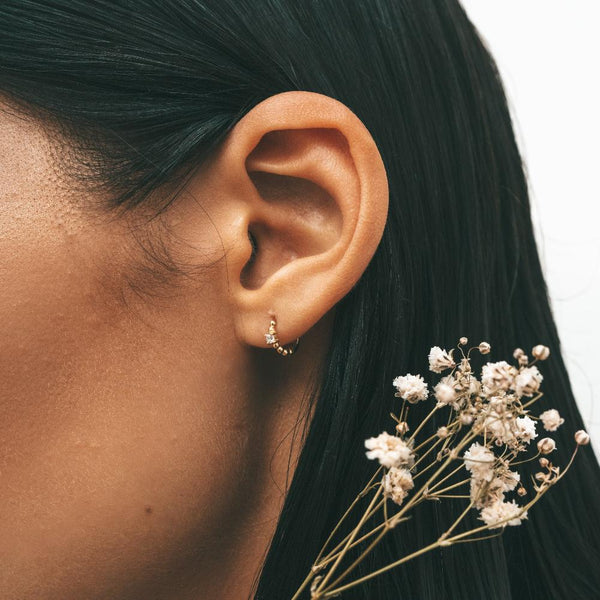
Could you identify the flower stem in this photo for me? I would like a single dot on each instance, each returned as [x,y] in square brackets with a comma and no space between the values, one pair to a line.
[447,477]
[339,523]
[312,572]
[331,557]
[431,412]
[406,558]
[333,553]
[458,520]
[362,556]
[350,540]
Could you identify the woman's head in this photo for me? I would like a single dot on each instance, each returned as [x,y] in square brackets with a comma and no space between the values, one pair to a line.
[142,408]
[173,174]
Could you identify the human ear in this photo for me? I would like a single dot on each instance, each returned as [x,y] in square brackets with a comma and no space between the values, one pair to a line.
[302,177]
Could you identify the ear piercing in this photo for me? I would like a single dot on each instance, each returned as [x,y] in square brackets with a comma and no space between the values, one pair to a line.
[271,339]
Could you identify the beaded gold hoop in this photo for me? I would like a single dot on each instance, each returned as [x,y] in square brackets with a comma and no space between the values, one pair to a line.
[271,338]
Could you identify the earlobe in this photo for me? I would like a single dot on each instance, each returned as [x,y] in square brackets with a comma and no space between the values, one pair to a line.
[307,183]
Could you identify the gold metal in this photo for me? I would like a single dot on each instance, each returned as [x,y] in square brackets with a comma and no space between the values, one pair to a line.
[271,339]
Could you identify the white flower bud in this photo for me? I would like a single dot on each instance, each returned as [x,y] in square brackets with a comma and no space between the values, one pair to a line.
[389,450]
[397,482]
[402,427]
[440,360]
[518,352]
[540,352]
[527,382]
[544,462]
[411,388]
[442,432]
[484,348]
[523,359]
[444,393]
[551,419]
[463,341]
[546,445]
[497,376]
[582,438]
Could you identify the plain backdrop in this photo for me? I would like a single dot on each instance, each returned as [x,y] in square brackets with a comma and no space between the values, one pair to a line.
[548,54]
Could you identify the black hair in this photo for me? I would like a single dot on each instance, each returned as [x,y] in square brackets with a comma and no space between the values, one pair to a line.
[145,90]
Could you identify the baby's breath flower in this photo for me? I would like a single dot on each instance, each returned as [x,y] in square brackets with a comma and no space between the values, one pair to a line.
[546,445]
[497,426]
[540,352]
[480,461]
[499,511]
[500,403]
[582,438]
[402,427]
[494,409]
[442,432]
[509,479]
[525,429]
[497,376]
[440,359]
[551,419]
[444,393]
[485,493]
[389,450]
[466,418]
[527,382]
[465,366]
[411,388]
[484,348]
[474,386]
[396,484]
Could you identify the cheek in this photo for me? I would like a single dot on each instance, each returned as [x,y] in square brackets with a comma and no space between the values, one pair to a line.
[117,495]
[121,481]
[115,462]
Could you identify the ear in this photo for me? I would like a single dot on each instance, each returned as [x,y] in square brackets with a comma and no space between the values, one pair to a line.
[301,175]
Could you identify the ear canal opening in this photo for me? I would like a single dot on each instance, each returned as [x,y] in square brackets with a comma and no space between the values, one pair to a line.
[245,275]
[254,245]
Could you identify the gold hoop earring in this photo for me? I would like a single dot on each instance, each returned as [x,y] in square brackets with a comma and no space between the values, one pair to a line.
[271,338]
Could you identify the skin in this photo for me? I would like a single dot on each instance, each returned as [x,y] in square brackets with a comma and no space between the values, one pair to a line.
[146,428]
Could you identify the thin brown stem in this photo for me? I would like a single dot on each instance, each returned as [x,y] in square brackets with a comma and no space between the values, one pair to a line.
[362,556]
[332,553]
[450,487]
[454,471]
[360,495]
[422,423]
[350,540]
[406,558]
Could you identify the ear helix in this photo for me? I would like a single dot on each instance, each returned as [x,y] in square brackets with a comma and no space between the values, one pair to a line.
[271,339]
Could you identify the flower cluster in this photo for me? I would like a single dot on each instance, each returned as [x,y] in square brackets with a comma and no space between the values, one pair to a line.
[487,428]
[493,408]
[389,450]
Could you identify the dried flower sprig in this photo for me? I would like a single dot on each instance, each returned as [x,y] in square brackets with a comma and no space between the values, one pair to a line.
[488,428]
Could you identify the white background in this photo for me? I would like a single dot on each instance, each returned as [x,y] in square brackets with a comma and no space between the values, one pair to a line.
[548,54]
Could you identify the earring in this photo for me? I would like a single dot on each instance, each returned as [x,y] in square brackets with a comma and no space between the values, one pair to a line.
[271,338]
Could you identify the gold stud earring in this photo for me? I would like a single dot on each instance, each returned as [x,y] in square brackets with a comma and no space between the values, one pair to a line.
[271,338]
